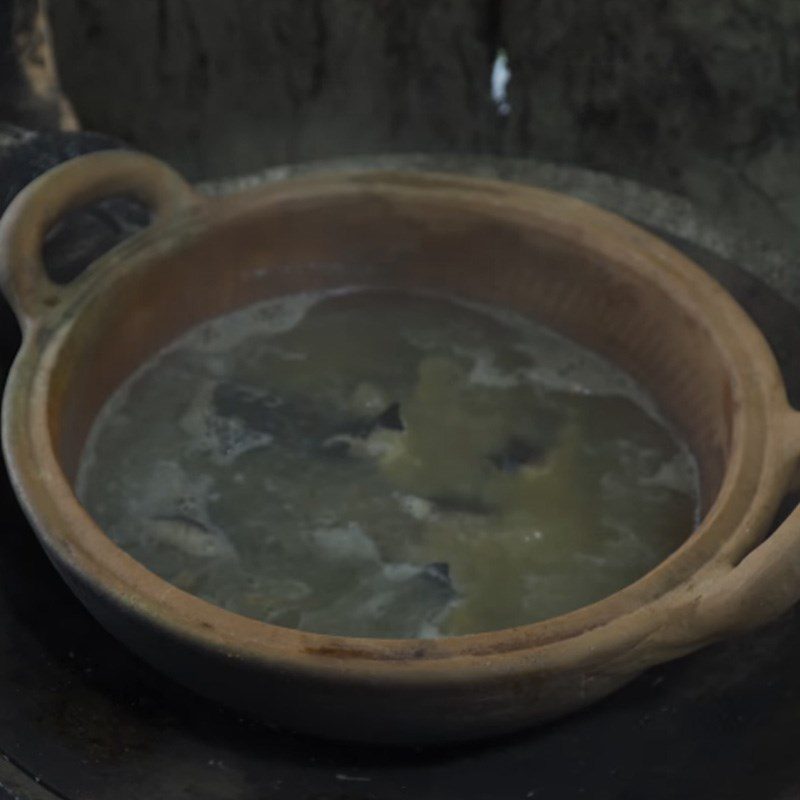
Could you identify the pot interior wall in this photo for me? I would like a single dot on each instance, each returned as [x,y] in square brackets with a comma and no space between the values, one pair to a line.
[367,239]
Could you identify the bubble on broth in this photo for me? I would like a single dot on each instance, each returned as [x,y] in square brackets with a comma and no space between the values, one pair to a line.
[368,462]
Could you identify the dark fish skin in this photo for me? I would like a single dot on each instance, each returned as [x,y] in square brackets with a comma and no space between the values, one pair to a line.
[516,454]
[463,505]
[391,419]
[439,571]
[291,421]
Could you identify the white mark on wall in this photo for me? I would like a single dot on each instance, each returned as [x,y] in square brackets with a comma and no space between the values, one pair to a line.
[501,75]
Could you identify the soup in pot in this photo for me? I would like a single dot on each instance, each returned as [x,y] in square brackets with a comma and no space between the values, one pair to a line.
[369,462]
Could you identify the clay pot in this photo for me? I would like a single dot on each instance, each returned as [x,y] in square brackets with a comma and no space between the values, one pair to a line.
[585,272]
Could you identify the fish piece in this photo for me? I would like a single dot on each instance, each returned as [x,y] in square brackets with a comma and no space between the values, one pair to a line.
[438,571]
[391,418]
[517,453]
[380,444]
[400,599]
[367,399]
[191,537]
[345,543]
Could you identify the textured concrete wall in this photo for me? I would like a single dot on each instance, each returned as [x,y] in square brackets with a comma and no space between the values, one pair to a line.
[29,90]
[231,85]
[700,98]
[697,97]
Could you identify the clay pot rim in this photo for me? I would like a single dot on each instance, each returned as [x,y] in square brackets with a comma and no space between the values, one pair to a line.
[766,442]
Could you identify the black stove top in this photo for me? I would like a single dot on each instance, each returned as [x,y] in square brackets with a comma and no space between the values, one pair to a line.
[82,718]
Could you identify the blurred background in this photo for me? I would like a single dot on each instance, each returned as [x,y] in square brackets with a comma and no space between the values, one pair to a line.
[681,115]
[699,99]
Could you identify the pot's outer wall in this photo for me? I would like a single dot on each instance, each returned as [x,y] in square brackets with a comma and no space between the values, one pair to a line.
[350,711]
[88,719]
[395,691]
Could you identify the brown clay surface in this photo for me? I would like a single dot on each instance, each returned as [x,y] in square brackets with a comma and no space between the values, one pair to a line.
[584,271]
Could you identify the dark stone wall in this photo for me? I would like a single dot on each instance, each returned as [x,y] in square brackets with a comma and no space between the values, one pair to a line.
[233,85]
[699,98]
[702,98]
[29,91]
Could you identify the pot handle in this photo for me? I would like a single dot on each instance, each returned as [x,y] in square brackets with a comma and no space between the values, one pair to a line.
[766,582]
[70,185]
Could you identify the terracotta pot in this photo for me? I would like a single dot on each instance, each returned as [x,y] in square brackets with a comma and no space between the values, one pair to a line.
[585,272]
